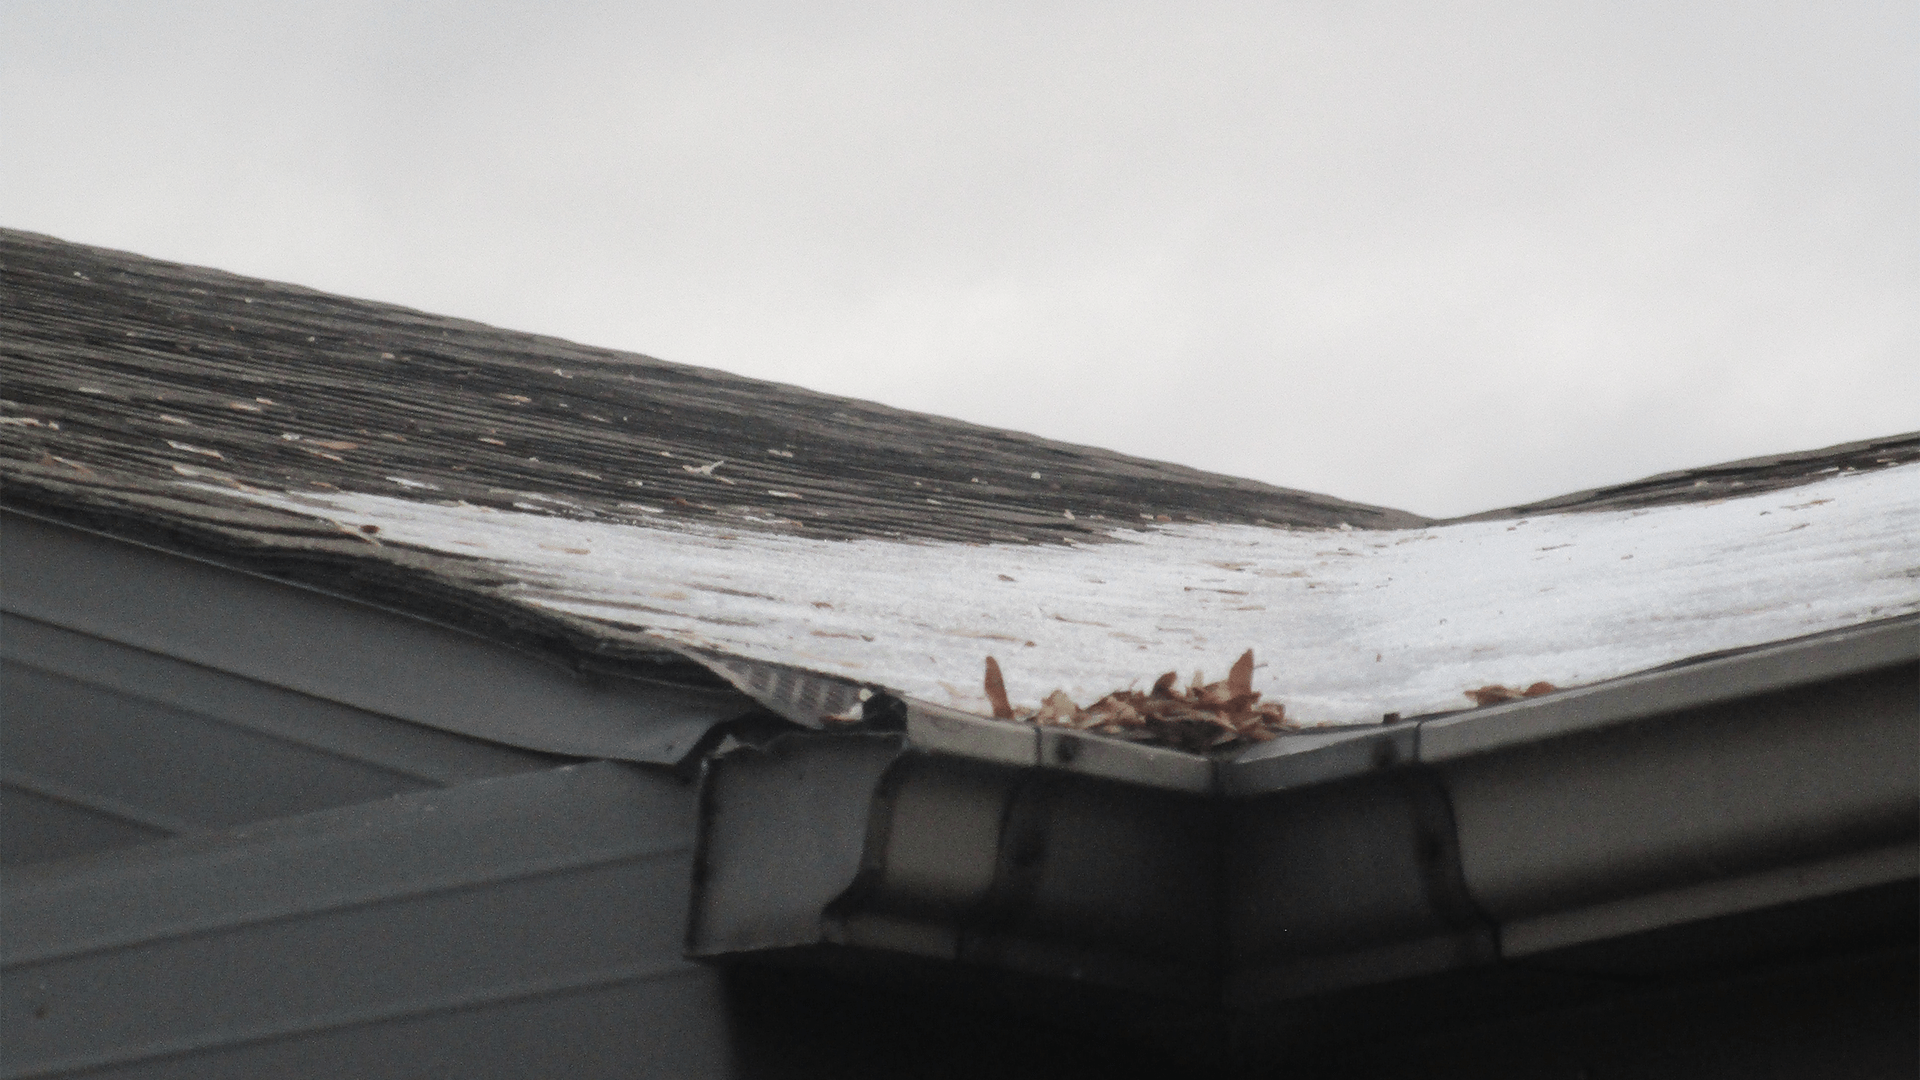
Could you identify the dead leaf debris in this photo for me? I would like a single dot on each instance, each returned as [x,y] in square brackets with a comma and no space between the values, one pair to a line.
[1495,694]
[1203,716]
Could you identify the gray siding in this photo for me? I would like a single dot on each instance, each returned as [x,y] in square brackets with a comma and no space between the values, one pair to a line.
[525,924]
[349,652]
[104,744]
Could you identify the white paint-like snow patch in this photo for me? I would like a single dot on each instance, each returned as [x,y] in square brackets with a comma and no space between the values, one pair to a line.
[1347,624]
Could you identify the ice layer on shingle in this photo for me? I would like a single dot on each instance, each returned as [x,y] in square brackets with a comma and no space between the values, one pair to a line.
[1347,625]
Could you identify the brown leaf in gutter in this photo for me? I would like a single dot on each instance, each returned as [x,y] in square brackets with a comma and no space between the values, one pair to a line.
[1205,716]
[1239,710]
[1218,695]
[1240,679]
[1160,708]
[997,692]
[1112,709]
[1491,694]
[1058,708]
[1495,694]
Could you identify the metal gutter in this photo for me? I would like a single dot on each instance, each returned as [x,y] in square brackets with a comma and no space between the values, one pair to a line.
[1748,789]
[1334,859]
[872,843]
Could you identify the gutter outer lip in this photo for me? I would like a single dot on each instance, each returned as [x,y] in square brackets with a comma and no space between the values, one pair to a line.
[1322,755]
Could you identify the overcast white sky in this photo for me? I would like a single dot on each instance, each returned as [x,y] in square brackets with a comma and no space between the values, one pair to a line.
[1443,257]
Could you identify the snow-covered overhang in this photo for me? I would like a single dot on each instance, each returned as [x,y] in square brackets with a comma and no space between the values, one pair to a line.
[1669,801]
[1348,625]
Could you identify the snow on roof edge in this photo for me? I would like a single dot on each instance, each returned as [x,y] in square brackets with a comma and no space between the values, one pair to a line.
[1349,625]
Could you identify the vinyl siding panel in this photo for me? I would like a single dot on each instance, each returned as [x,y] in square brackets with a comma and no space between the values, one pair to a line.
[387,938]
[104,745]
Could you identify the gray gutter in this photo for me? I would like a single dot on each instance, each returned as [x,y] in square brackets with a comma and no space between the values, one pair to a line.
[1328,860]
[1740,783]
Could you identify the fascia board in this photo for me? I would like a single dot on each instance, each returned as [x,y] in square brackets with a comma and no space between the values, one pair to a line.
[344,650]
